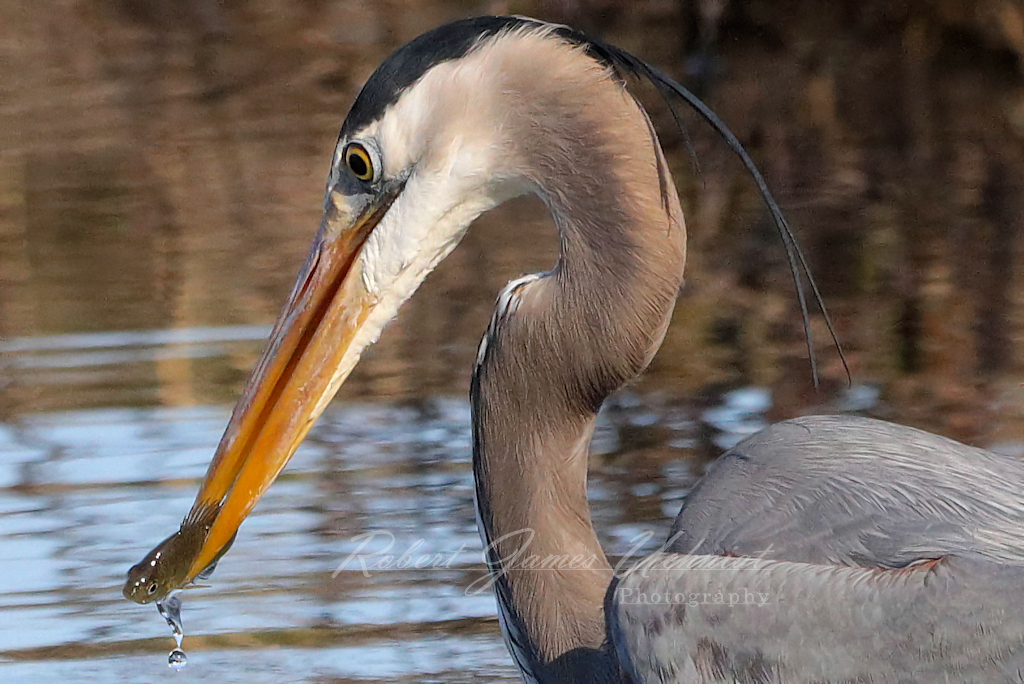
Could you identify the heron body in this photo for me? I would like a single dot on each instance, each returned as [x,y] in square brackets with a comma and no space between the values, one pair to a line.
[872,552]
[854,550]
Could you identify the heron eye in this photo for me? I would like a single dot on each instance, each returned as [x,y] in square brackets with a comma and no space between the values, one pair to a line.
[152,588]
[358,161]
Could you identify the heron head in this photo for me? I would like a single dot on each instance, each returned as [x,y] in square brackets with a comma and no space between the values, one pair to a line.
[428,146]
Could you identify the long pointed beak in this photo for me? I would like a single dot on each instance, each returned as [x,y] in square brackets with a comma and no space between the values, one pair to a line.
[299,372]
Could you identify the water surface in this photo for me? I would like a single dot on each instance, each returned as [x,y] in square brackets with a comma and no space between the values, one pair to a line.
[84,493]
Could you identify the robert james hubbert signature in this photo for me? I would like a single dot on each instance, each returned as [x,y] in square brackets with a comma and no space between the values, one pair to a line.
[374,553]
[382,559]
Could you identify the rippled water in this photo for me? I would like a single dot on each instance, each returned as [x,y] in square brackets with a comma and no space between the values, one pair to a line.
[83,494]
[301,595]
[161,171]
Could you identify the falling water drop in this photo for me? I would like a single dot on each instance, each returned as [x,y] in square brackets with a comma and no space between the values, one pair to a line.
[170,609]
[177,659]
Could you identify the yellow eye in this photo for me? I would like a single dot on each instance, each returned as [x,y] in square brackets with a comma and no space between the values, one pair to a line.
[358,161]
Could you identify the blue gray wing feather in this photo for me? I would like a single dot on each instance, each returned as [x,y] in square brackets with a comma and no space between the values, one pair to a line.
[855,491]
[886,554]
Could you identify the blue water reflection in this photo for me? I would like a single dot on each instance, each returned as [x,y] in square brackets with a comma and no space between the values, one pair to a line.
[85,493]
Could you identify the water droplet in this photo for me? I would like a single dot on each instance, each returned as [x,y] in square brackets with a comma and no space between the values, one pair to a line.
[177,659]
[170,609]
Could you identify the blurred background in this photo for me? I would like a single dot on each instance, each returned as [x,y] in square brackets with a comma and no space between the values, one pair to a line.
[162,165]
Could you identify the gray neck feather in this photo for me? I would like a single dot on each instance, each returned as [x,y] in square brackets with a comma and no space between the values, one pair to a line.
[565,343]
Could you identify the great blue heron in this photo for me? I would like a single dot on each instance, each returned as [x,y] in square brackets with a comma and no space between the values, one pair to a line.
[824,549]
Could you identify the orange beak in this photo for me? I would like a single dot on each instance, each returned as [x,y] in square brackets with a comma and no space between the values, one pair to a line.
[299,372]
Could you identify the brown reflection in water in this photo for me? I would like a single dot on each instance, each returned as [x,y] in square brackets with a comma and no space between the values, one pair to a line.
[162,165]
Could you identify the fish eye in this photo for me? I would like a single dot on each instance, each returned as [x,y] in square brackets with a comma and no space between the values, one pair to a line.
[358,161]
[152,588]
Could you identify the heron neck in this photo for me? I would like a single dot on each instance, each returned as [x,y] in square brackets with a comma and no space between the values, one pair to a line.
[564,343]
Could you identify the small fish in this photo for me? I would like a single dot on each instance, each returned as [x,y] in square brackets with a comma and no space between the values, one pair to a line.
[165,568]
